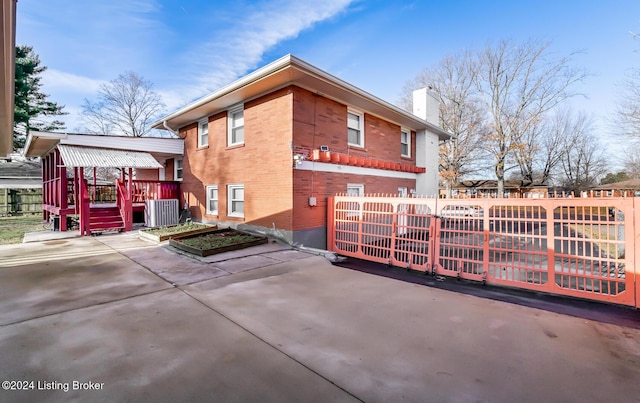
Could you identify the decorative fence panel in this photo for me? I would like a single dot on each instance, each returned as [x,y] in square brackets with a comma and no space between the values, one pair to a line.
[579,247]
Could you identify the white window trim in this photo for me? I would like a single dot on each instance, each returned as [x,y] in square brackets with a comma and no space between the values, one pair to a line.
[200,123]
[358,186]
[175,169]
[361,115]
[229,200]
[354,209]
[208,199]
[230,113]
[403,130]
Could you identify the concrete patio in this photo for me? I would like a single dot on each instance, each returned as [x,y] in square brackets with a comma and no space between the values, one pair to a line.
[274,324]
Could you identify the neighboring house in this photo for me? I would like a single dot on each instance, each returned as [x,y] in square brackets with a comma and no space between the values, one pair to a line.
[20,186]
[477,188]
[67,160]
[629,187]
[265,151]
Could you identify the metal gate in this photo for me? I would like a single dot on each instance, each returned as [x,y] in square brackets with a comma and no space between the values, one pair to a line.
[583,247]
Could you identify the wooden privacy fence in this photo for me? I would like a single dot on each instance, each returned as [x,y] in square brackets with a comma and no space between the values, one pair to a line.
[579,247]
[20,201]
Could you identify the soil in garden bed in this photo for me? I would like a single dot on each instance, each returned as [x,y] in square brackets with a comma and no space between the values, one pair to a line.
[223,240]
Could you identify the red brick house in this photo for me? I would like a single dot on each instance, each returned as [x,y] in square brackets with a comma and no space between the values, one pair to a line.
[265,151]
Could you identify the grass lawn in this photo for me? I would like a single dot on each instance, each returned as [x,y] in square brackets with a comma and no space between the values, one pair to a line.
[12,229]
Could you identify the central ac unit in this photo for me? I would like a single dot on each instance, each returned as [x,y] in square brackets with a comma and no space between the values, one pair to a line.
[158,213]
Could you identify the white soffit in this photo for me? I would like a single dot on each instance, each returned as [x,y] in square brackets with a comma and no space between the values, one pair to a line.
[77,156]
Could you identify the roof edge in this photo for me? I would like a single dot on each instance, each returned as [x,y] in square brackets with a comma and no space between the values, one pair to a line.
[292,61]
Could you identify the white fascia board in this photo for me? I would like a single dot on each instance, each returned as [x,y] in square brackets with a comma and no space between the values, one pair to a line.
[349,169]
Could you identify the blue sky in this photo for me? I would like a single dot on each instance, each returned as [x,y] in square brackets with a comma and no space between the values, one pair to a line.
[190,48]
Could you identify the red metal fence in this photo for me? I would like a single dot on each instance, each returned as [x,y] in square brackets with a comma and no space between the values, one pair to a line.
[580,247]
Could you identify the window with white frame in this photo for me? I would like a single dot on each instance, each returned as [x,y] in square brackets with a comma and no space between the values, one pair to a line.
[212,199]
[177,175]
[353,208]
[203,132]
[355,128]
[236,126]
[235,204]
[405,143]
[355,189]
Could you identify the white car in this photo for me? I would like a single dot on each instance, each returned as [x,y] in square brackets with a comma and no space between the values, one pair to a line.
[461,211]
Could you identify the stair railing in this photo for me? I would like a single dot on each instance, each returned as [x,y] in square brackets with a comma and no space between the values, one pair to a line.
[124,205]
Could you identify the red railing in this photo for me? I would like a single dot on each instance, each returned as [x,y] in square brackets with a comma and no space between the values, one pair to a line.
[84,208]
[154,190]
[124,203]
[583,248]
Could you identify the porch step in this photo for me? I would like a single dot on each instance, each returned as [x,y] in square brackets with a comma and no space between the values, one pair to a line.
[105,219]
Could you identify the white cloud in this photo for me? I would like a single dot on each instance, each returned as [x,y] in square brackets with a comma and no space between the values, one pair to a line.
[239,47]
[60,81]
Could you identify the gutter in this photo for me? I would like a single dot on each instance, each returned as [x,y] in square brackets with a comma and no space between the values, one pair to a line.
[166,126]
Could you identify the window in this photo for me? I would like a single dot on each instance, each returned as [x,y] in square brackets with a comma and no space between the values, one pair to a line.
[355,189]
[236,200]
[212,199]
[355,128]
[405,143]
[203,132]
[178,170]
[353,208]
[236,126]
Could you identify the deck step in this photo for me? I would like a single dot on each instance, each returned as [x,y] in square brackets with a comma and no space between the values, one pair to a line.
[105,219]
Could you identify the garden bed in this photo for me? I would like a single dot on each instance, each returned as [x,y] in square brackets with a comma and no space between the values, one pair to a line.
[222,240]
[164,233]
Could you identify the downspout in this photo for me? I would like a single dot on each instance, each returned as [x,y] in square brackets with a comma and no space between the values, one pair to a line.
[166,126]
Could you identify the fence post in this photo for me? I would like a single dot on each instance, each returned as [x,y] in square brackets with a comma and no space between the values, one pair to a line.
[636,248]
[331,224]
[434,231]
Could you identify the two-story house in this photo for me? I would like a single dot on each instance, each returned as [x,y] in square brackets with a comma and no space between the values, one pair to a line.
[265,151]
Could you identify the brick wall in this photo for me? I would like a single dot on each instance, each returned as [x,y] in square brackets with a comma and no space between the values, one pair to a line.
[325,184]
[263,164]
[273,124]
[321,121]
[147,174]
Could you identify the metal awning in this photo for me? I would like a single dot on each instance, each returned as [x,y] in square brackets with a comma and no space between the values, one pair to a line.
[78,156]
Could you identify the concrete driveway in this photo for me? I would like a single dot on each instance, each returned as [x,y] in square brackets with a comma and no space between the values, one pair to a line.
[139,322]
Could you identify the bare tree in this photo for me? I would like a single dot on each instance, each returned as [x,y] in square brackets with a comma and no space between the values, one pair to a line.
[632,161]
[627,117]
[519,85]
[461,114]
[541,148]
[583,161]
[126,106]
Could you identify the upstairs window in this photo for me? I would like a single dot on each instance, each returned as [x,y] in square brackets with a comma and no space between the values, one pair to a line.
[355,128]
[236,126]
[203,132]
[405,143]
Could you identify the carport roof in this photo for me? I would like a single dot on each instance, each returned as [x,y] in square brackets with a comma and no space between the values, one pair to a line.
[77,156]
